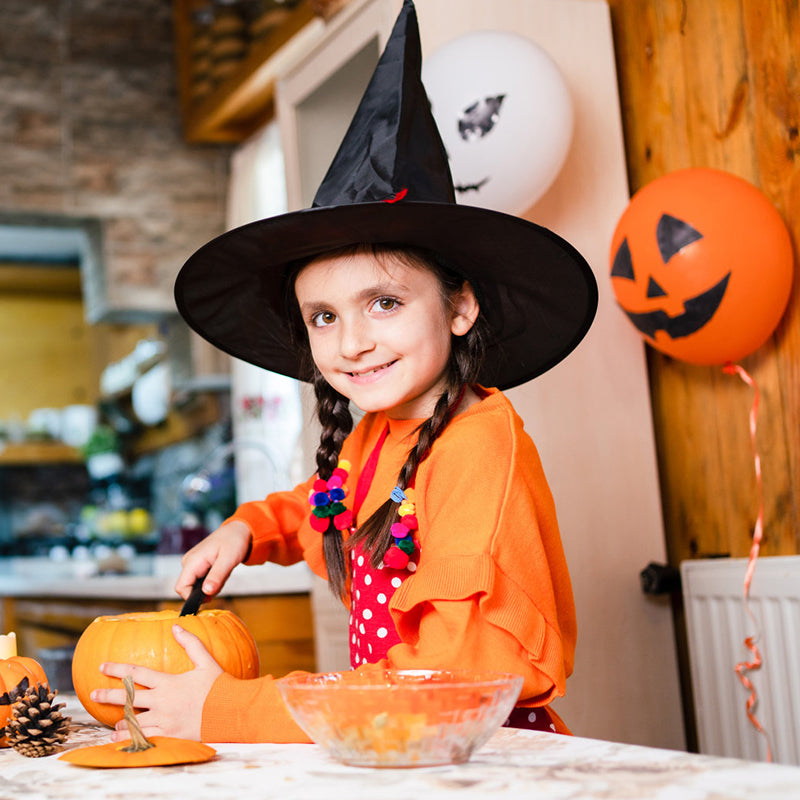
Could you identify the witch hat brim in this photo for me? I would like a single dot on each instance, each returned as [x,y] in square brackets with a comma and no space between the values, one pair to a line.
[390,184]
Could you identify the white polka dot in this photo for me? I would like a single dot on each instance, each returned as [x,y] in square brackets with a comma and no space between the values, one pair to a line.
[358,594]
[369,647]
[367,614]
[353,640]
[353,555]
[363,659]
[361,628]
[381,565]
[532,716]
[367,580]
[381,598]
[412,567]
[552,727]
[396,582]
[360,561]
[382,633]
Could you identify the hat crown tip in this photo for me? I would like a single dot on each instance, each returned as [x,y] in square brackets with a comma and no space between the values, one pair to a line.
[392,142]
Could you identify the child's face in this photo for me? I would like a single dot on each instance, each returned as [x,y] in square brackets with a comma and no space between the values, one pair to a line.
[380,332]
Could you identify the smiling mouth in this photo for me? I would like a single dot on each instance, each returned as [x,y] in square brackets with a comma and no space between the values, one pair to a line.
[367,372]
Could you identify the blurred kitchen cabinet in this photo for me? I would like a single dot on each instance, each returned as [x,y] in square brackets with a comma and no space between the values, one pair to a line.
[228,55]
[26,453]
[228,69]
[45,622]
[281,624]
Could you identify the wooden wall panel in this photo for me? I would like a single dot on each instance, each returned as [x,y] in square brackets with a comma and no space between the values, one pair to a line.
[716,84]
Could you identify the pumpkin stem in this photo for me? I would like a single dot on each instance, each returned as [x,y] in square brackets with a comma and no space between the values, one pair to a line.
[139,741]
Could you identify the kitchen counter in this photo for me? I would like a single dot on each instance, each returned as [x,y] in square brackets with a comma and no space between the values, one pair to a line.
[515,763]
[149,578]
[49,604]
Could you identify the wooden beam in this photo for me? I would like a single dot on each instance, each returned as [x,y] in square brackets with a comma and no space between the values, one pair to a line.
[244,101]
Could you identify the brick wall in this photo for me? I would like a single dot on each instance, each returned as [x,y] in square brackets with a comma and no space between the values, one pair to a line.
[89,127]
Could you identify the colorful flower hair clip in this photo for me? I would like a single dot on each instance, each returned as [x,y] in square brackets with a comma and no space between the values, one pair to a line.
[399,554]
[327,501]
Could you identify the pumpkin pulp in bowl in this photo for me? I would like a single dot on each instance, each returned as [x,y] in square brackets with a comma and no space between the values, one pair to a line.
[146,639]
[401,718]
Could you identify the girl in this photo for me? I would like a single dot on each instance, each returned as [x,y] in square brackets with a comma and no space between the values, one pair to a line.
[432,518]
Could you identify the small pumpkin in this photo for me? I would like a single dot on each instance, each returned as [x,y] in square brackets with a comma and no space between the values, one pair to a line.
[159,751]
[16,672]
[145,639]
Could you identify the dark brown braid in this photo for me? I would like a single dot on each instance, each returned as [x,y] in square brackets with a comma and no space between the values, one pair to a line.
[334,414]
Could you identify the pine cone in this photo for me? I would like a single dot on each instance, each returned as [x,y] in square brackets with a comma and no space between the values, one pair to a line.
[36,727]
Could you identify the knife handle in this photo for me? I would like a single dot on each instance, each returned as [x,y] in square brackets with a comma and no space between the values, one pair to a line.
[195,598]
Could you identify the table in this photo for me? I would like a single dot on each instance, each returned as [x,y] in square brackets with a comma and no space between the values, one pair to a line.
[513,763]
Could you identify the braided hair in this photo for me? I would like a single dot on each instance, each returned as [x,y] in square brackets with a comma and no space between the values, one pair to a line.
[334,415]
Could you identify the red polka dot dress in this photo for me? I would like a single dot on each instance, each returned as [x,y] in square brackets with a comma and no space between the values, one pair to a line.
[372,630]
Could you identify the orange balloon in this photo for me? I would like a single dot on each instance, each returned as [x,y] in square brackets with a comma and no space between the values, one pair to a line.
[701,263]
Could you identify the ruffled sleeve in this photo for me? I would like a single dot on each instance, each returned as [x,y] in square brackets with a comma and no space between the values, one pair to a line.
[492,590]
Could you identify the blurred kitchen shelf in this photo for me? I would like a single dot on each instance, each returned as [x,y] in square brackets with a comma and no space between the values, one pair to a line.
[27,453]
[241,101]
[202,410]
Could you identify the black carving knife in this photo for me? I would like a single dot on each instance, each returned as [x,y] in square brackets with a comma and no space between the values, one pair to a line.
[195,598]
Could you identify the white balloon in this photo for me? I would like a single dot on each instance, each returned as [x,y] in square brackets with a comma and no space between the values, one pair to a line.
[505,115]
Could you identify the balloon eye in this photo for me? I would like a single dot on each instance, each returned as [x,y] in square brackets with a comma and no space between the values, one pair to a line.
[654,290]
[673,235]
[479,118]
[623,264]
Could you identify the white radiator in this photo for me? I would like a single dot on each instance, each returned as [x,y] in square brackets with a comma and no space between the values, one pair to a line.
[717,624]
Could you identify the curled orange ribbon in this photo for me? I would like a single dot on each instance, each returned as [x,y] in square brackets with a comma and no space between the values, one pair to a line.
[743,667]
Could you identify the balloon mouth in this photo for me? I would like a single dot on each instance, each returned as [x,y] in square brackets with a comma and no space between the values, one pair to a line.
[466,188]
[698,311]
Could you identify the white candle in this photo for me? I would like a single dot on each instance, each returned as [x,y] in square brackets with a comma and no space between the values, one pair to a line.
[8,645]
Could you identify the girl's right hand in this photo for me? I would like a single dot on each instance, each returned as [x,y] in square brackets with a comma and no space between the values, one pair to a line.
[216,555]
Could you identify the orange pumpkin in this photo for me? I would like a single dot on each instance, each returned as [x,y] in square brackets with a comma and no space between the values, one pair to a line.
[701,262]
[146,639]
[16,672]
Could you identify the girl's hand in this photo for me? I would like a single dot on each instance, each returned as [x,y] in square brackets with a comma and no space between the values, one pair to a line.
[216,555]
[174,703]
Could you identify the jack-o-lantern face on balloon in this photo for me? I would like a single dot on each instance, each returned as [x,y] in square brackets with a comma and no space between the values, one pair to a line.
[701,263]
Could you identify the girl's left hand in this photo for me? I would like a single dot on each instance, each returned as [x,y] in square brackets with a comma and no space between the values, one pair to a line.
[174,702]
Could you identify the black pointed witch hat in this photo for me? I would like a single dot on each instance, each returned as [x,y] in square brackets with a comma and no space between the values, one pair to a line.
[390,183]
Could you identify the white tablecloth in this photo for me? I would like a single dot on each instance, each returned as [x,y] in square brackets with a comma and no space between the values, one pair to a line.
[512,764]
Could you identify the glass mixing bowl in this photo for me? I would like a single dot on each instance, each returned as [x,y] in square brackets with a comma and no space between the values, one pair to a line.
[400,718]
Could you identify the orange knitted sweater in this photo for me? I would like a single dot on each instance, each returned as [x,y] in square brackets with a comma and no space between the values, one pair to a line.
[492,590]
